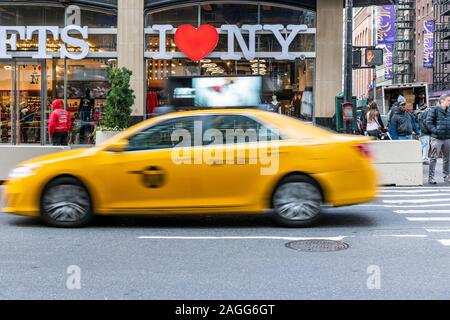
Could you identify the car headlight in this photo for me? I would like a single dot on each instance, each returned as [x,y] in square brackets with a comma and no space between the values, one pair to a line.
[22,172]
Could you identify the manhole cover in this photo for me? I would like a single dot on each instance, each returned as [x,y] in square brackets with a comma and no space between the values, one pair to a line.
[317,245]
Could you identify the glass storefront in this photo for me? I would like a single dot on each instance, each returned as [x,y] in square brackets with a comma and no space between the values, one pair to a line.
[290,81]
[28,86]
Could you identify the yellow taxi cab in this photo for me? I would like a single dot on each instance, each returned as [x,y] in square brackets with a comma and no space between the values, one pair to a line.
[194,162]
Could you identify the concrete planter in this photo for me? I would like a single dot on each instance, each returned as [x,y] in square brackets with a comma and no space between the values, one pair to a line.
[102,136]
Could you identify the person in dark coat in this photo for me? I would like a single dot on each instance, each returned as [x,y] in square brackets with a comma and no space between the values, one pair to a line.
[438,123]
[403,123]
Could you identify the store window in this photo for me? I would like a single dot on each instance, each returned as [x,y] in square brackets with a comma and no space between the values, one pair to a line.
[29,86]
[226,13]
[87,86]
[181,15]
[41,15]
[288,84]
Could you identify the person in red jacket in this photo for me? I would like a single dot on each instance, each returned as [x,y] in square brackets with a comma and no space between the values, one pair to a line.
[59,124]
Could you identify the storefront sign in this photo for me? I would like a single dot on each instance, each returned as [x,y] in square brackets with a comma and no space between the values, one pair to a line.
[386,24]
[197,43]
[428,44]
[10,34]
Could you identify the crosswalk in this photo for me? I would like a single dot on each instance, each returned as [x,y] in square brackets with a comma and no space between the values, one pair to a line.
[426,207]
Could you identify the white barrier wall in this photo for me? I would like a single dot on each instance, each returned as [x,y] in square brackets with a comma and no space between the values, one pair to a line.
[398,162]
[11,155]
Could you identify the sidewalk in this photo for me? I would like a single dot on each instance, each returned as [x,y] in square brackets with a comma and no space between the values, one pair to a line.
[439,177]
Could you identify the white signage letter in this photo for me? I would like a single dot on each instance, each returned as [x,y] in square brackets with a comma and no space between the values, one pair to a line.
[42,39]
[162,54]
[73,16]
[75,42]
[233,31]
[285,42]
[12,41]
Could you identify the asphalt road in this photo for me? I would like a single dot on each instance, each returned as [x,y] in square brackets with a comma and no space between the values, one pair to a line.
[394,253]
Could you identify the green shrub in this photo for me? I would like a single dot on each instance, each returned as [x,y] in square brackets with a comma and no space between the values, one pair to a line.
[120,99]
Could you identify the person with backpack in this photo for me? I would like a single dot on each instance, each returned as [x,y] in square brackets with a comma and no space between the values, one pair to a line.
[438,123]
[425,134]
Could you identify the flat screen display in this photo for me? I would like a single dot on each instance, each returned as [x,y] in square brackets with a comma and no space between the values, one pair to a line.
[227,91]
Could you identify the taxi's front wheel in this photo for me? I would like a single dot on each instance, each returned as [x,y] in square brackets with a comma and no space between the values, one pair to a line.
[65,203]
[296,202]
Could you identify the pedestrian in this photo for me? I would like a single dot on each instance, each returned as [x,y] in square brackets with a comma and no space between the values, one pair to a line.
[392,110]
[373,123]
[403,122]
[362,119]
[424,133]
[59,124]
[438,123]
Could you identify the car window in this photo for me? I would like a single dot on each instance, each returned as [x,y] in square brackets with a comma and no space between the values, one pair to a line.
[165,135]
[237,129]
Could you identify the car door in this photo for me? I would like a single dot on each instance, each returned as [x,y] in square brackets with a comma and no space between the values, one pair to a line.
[147,176]
[239,177]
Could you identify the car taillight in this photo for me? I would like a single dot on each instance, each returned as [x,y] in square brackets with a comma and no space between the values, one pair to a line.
[364,150]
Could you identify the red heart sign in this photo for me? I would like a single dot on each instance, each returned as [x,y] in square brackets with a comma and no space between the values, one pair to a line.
[196,43]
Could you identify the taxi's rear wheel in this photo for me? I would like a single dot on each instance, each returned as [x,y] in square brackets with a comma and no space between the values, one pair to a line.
[65,203]
[296,202]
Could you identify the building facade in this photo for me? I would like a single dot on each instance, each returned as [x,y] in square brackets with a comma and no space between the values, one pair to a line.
[62,50]
[363,35]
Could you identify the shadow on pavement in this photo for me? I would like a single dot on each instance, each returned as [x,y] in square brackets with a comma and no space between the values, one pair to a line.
[328,220]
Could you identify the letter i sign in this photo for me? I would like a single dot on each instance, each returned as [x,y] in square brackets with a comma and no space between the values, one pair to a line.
[196,43]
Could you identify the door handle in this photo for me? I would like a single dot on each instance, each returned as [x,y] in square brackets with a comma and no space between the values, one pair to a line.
[152,176]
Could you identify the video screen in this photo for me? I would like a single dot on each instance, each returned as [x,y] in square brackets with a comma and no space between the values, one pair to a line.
[227,91]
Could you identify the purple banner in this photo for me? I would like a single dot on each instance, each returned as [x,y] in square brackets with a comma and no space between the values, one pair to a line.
[386,24]
[388,61]
[428,43]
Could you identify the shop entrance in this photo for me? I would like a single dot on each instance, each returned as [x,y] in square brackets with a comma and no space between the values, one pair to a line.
[22,106]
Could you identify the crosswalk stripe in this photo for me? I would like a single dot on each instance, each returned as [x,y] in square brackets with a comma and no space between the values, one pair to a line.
[414,195]
[421,211]
[413,188]
[445,242]
[415,191]
[432,205]
[423,219]
[438,230]
[400,201]
[391,206]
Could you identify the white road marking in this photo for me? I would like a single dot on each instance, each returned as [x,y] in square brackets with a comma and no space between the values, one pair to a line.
[415,195]
[406,206]
[415,200]
[438,230]
[414,188]
[404,235]
[339,238]
[444,242]
[428,219]
[421,211]
[431,205]
[418,192]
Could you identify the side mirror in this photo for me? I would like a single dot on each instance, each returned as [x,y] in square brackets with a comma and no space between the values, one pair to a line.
[118,146]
